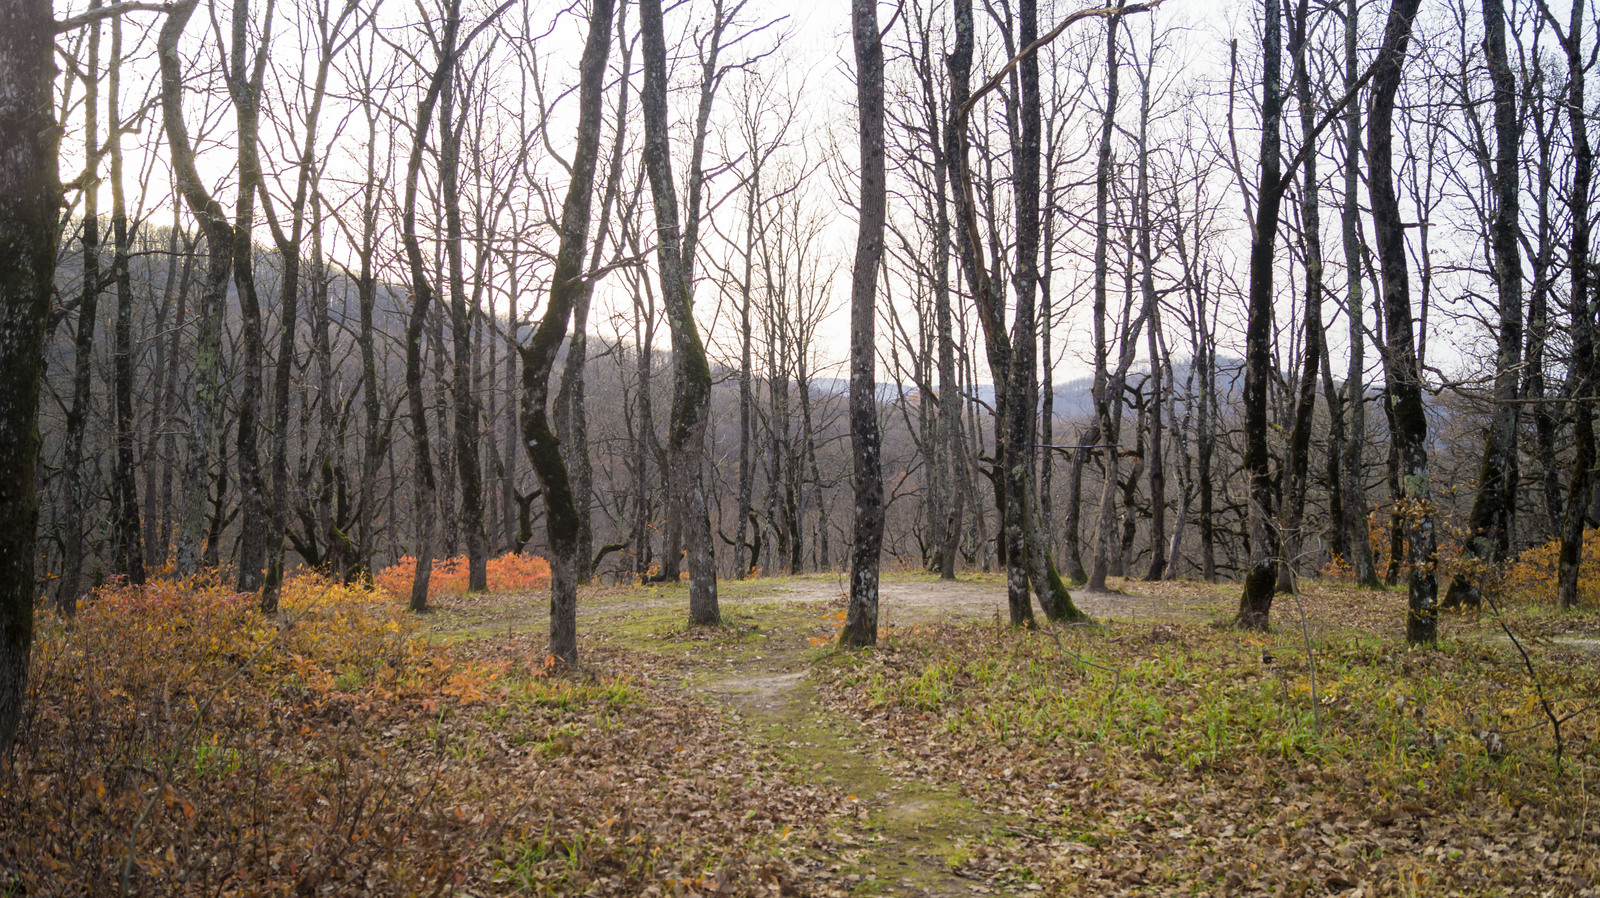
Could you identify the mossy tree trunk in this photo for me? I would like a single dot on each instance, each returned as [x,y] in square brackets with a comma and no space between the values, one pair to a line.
[1410,433]
[539,353]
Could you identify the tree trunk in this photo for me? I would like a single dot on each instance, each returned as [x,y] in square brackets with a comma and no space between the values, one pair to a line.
[1584,389]
[463,395]
[129,560]
[1354,480]
[1404,376]
[539,353]
[861,620]
[1315,348]
[1261,576]
[691,405]
[244,87]
[425,486]
[1099,562]
[76,514]
[30,200]
[1505,236]
[205,406]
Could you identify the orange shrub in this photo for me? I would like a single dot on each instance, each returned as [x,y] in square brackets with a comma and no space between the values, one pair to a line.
[508,573]
[1533,573]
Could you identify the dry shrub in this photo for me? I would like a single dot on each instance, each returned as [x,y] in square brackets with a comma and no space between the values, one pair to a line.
[1532,574]
[508,573]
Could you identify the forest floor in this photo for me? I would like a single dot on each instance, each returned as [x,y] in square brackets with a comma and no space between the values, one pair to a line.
[1153,752]
[179,744]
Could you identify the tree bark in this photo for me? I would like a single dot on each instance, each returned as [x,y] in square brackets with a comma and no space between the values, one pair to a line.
[1584,391]
[1354,480]
[129,560]
[1504,238]
[539,353]
[1315,347]
[205,406]
[861,619]
[691,405]
[30,200]
[1261,576]
[463,395]
[1404,375]
[75,515]
[244,87]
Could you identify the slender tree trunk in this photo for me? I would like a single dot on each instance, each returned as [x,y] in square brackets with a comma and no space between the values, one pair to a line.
[691,405]
[1099,562]
[539,353]
[1544,412]
[1499,442]
[289,310]
[1355,496]
[1261,577]
[1584,389]
[463,396]
[30,200]
[861,621]
[129,560]
[1404,376]
[244,86]
[1154,460]
[426,486]
[205,406]
[76,514]
[1315,348]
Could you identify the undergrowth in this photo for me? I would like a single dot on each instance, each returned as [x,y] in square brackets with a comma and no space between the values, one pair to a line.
[179,742]
[1179,757]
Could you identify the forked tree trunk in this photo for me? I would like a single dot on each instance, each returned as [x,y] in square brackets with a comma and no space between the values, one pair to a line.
[425,486]
[691,406]
[205,406]
[464,397]
[539,353]
[1315,344]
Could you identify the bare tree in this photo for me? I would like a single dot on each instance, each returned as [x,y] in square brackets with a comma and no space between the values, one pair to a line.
[861,621]
[30,199]
[1409,417]
[1583,375]
[675,262]
[1505,238]
[539,353]
[205,414]
[72,553]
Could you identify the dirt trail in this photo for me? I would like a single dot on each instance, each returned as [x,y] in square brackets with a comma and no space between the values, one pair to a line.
[912,829]
[905,832]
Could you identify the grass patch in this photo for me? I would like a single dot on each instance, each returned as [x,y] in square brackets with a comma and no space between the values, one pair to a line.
[1187,757]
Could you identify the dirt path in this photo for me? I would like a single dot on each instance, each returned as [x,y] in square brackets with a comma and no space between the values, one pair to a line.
[906,832]
[909,830]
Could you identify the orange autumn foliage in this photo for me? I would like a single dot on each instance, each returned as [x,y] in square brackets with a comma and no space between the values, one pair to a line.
[507,573]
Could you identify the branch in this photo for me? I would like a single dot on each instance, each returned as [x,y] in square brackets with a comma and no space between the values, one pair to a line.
[106,12]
